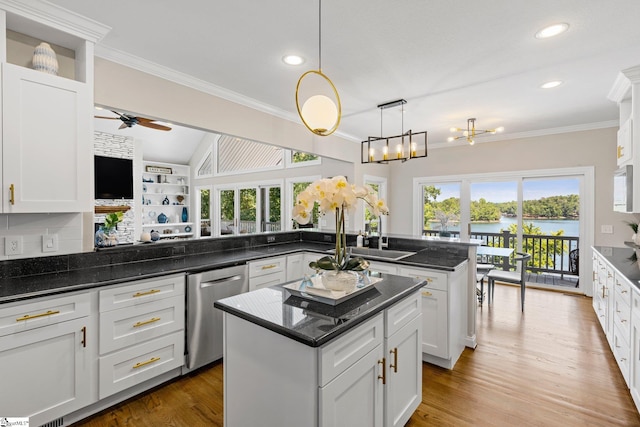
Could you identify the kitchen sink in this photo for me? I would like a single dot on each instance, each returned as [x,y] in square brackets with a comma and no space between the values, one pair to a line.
[372,253]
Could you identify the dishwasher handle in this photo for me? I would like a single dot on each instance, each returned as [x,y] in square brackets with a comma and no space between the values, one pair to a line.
[222,280]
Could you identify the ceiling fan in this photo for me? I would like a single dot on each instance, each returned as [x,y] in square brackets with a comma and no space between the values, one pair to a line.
[129,120]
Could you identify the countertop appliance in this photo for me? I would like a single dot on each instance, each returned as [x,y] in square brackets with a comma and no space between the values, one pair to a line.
[204,322]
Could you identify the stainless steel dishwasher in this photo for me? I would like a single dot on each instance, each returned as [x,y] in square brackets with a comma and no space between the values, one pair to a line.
[204,322]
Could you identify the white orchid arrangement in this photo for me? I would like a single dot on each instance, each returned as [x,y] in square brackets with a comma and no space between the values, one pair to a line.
[337,195]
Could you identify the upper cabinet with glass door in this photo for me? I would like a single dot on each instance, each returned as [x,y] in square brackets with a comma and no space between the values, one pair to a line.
[46,113]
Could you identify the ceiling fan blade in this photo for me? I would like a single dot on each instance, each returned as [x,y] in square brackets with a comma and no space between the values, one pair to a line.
[108,118]
[152,125]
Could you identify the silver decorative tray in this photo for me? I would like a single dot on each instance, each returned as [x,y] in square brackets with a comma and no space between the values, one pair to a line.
[319,293]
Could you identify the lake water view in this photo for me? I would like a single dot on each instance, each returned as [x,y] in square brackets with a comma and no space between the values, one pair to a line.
[571,227]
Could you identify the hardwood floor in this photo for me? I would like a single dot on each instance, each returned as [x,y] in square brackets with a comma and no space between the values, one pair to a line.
[550,366]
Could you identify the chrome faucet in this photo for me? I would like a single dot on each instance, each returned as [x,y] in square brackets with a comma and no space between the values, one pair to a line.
[380,238]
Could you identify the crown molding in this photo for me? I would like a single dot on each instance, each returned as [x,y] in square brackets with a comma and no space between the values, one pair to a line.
[53,16]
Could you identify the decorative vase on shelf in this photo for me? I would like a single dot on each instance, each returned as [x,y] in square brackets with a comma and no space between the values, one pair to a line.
[185,214]
[44,59]
[106,237]
[162,218]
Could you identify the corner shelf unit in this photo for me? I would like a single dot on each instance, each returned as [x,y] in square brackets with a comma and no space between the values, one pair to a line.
[165,190]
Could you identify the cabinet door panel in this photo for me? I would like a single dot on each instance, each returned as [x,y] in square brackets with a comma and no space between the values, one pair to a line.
[355,397]
[46,142]
[403,393]
[51,366]
[435,325]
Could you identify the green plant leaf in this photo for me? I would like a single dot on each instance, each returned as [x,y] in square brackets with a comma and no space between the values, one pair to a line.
[356,264]
[325,263]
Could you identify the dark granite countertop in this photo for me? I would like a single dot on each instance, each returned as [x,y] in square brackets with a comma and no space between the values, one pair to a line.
[96,275]
[314,323]
[624,260]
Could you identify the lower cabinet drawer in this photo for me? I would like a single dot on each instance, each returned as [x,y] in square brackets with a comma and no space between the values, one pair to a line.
[267,280]
[132,325]
[402,313]
[622,352]
[134,365]
[340,354]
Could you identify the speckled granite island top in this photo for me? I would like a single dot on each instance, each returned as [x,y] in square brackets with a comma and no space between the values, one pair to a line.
[313,323]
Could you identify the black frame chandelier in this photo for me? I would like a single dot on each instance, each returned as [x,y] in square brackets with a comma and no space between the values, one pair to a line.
[384,149]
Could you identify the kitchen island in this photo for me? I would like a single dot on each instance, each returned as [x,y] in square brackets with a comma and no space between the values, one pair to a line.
[293,361]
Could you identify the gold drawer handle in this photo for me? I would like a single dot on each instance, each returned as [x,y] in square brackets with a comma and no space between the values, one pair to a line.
[267,267]
[394,365]
[383,377]
[34,316]
[426,294]
[12,194]
[141,294]
[141,364]
[429,279]
[146,322]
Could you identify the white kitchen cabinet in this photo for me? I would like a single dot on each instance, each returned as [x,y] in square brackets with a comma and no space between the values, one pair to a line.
[634,366]
[47,149]
[165,188]
[295,267]
[46,360]
[267,272]
[46,127]
[443,313]
[355,397]
[625,143]
[403,336]
[141,332]
[602,288]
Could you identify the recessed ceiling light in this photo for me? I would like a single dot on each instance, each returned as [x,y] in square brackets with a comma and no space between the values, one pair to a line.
[292,59]
[551,84]
[552,30]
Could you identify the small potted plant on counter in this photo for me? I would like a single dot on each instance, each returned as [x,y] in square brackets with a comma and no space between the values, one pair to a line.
[107,233]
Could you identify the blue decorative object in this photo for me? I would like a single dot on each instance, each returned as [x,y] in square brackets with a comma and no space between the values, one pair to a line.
[185,214]
[187,229]
[155,236]
[105,237]
[162,218]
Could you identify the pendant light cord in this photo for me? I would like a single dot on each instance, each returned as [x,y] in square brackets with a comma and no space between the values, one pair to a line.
[320,35]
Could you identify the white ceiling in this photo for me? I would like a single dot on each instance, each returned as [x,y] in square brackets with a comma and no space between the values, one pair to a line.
[450,60]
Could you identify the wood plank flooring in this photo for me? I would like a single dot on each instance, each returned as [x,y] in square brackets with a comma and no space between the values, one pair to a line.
[550,366]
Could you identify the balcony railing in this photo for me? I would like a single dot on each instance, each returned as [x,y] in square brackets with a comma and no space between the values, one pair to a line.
[549,254]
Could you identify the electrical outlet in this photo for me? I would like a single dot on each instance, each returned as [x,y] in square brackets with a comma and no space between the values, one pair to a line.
[49,243]
[13,245]
[271,239]
[606,229]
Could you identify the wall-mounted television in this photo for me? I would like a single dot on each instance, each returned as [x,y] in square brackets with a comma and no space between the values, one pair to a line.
[113,178]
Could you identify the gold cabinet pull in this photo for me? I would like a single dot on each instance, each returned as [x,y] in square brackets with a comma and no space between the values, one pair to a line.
[620,148]
[146,362]
[426,294]
[84,336]
[146,322]
[141,294]
[267,267]
[394,365]
[12,194]
[429,279]
[383,377]
[34,316]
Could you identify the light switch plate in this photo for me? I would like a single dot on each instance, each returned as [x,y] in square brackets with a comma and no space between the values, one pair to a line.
[49,243]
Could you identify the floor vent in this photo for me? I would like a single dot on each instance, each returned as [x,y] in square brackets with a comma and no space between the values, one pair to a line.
[55,423]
